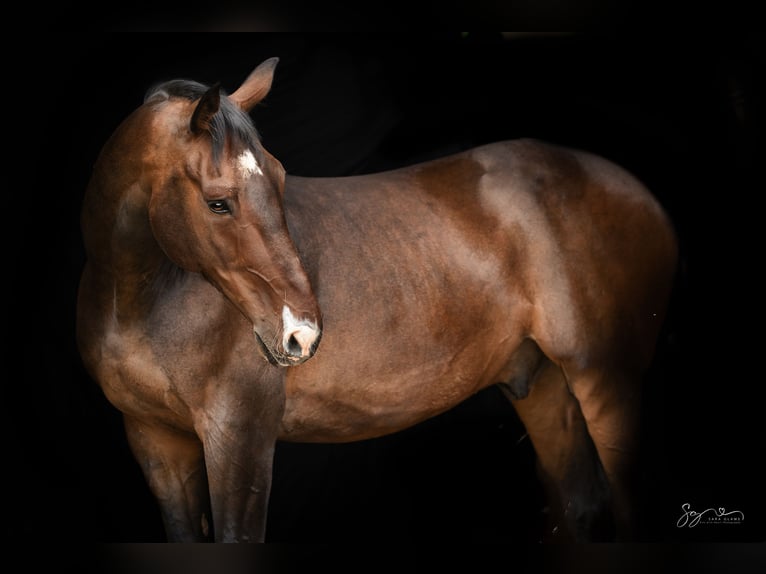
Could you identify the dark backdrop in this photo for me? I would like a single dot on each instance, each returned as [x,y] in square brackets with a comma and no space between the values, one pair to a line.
[679,112]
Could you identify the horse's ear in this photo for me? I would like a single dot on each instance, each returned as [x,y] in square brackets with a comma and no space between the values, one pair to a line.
[206,108]
[256,86]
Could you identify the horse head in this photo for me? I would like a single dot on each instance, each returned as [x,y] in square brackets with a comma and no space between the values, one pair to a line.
[216,209]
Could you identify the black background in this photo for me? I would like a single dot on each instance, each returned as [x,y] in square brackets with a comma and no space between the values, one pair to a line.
[681,112]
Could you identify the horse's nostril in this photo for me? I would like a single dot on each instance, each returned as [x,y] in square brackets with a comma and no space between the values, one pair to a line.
[300,343]
[293,347]
[299,335]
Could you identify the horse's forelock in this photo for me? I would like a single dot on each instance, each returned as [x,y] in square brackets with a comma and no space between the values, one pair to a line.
[229,122]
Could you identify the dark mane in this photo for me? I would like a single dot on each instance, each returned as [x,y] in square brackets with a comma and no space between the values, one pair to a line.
[230,121]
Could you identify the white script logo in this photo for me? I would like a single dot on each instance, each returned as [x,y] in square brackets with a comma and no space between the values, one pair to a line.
[692,518]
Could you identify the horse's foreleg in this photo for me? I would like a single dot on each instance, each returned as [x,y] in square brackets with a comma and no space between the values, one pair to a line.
[239,438]
[577,492]
[174,469]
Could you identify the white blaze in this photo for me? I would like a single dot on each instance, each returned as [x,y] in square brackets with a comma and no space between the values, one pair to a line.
[248,165]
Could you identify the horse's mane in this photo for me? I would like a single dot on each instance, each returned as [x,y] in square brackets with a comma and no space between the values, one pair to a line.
[229,122]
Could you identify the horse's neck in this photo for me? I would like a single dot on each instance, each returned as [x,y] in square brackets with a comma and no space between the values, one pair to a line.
[123,255]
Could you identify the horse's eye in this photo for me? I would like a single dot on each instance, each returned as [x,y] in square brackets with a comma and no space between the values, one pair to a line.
[218,206]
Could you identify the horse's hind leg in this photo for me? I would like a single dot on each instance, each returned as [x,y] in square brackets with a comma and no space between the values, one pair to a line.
[610,401]
[174,468]
[577,490]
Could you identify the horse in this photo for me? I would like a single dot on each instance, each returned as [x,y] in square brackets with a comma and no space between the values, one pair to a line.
[225,305]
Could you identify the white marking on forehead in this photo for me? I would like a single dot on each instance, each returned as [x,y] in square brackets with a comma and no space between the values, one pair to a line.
[248,164]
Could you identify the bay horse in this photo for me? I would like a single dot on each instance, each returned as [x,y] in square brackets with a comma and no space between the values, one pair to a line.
[211,275]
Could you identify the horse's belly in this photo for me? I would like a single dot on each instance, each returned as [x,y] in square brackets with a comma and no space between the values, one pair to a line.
[357,404]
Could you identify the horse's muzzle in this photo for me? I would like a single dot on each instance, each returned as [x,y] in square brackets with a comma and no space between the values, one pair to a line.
[301,344]
[299,341]
[300,337]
